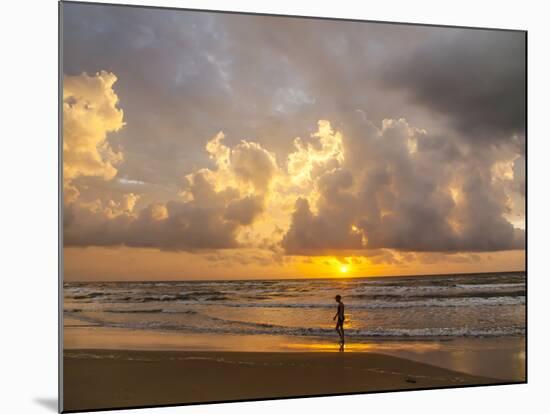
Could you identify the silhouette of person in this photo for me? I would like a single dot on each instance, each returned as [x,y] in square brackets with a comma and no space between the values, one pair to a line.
[340,317]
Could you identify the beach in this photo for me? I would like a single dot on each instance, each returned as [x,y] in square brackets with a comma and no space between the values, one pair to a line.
[96,379]
[132,344]
[113,367]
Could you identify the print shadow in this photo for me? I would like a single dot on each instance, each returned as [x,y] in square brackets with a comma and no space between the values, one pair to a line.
[49,403]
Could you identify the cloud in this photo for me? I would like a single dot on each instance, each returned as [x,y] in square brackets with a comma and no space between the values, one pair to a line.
[311,157]
[90,113]
[426,197]
[175,225]
[245,210]
[475,78]
[253,164]
[314,235]
[403,197]
[247,167]
[370,138]
[216,204]
[518,174]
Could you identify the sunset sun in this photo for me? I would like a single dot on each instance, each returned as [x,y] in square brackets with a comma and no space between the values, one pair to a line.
[343,269]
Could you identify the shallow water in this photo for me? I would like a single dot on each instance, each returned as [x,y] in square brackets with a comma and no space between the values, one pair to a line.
[485,305]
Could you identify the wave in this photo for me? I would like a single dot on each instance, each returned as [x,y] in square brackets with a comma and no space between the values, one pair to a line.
[371,299]
[358,301]
[187,312]
[251,328]
[144,297]
[447,302]
[90,295]
[448,295]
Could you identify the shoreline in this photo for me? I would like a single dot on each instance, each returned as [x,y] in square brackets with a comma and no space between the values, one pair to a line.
[502,358]
[100,378]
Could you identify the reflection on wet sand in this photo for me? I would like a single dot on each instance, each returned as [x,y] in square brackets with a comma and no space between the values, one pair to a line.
[490,357]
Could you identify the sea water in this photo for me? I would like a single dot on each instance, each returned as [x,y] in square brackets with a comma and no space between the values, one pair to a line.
[445,306]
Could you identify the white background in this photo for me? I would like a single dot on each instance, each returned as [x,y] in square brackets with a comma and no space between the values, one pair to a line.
[28,207]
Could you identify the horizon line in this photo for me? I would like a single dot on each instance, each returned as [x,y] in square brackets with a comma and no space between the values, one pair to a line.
[293,278]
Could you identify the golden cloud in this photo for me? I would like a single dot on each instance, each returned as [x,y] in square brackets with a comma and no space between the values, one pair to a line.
[379,189]
[90,113]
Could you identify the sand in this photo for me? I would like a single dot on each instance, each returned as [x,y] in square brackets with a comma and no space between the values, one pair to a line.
[99,379]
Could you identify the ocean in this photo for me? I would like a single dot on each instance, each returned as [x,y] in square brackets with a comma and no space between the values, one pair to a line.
[445,306]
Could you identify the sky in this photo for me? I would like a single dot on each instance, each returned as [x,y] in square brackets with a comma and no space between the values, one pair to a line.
[201,145]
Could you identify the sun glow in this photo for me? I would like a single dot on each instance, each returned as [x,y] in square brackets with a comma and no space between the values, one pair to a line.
[343,269]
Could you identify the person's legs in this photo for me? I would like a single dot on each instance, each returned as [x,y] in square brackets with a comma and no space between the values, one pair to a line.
[340,330]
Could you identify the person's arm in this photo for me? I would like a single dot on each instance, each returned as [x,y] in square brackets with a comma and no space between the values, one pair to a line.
[337,312]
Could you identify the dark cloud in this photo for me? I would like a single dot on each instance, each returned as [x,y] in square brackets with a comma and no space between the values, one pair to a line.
[519,175]
[210,220]
[245,210]
[311,234]
[476,78]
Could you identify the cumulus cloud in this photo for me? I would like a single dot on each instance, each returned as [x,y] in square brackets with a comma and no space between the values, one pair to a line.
[90,113]
[244,210]
[312,156]
[184,227]
[364,191]
[312,234]
[403,198]
[247,167]
[215,205]
[253,164]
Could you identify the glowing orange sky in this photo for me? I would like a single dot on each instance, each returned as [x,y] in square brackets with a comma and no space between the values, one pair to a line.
[96,263]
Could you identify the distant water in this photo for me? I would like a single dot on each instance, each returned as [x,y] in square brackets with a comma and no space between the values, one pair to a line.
[482,305]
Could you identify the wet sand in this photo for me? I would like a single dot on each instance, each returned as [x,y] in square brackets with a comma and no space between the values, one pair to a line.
[99,379]
[502,358]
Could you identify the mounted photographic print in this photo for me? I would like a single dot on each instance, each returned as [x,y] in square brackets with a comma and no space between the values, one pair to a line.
[259,207]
